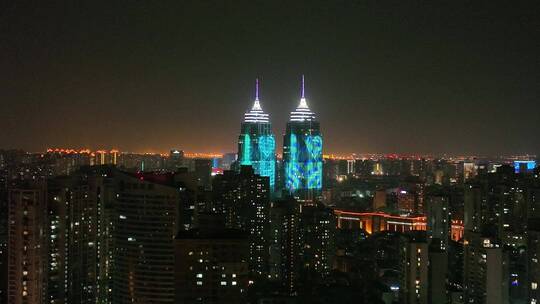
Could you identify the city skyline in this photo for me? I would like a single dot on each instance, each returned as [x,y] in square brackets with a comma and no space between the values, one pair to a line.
[260,152]
[458,78]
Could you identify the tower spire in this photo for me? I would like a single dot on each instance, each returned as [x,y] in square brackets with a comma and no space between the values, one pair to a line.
[303,102]
[303,96]
[256,88]
[256,103]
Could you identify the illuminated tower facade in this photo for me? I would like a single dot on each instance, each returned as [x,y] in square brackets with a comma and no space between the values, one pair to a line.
[256,143]
[302,152]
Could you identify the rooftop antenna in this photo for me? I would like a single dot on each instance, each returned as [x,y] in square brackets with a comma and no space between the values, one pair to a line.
[256,104]
[303,96]
[256,88]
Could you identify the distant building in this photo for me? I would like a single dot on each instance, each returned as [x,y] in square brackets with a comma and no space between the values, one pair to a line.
[176,159]
[524,166]
[379,200]
[228,160]
[350,166]
[406,201]
[203,171]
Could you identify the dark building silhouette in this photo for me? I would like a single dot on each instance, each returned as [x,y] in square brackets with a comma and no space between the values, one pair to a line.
[285,244]
[211,263]
[99,235]
[203,171]
[302,245]
[243,199]
[414,271]
[27,241]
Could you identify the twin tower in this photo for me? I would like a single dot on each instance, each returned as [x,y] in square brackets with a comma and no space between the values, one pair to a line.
[302,148]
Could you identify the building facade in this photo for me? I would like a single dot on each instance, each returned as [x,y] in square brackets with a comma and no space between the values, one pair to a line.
[302,153]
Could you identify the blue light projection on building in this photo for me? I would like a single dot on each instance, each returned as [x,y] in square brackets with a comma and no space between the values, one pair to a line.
[302,152]
[256,143]
[292,168]
[246,158]
[523,166]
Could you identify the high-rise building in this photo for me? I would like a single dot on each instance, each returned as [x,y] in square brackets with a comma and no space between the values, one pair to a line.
[496,204]
[302,152]
[244,199]
[317,230]
[414,272]
[285,244]
[485,270]
[27,243]
[211,263]
[3,230]
[110,236]
[57,248]
[256,143]
[485,261]
[302,248]
[533,260]
[438,220]
[147,208]
[438,273]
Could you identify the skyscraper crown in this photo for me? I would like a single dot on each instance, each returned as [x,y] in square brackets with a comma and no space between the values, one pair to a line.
[256,114]
[302,112]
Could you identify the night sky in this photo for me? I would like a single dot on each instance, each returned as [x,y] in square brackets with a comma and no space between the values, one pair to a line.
[382,76]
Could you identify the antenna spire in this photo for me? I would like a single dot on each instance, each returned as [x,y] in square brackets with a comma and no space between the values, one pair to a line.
[256,88]
[256,103]
[303,96]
